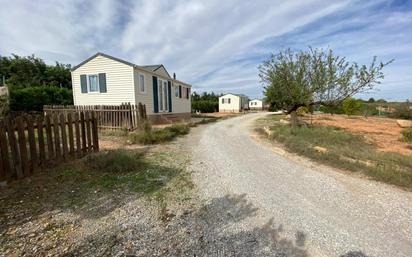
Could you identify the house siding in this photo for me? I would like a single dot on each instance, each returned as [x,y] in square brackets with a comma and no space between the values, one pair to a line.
[181,105]
[234,106]
[122,84]
[147,97]
[119,83]
[258,105]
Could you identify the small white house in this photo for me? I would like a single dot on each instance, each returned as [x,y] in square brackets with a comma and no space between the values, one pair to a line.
[233,103]
[256,104]
[105,80]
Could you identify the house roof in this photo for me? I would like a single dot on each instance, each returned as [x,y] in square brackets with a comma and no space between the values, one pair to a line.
[151,68]
[155,68]
[240,95]
[257,99]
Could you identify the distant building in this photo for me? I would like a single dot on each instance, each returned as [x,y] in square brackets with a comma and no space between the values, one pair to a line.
[256,104]
[233,103]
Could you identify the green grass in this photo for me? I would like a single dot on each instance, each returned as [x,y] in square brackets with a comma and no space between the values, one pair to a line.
[347,151]
[155,136]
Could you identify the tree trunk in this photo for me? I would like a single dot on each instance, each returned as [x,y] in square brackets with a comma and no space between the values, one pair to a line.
[294,118]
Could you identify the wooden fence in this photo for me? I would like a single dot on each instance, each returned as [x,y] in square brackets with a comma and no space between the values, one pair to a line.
[125,116]
[29,144]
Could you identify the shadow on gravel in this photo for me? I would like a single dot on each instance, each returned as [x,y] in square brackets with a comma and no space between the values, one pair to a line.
[218,238]
[355,254]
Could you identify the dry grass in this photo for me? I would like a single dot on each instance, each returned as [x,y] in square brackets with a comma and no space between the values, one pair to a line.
[343,149]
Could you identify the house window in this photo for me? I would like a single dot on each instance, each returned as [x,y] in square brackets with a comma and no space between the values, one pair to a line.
[228,100]
[223,100]
[93,83]
[142,86]
[176,91]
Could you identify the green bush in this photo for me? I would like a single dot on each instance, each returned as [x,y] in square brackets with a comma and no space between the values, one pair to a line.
[33,98]
[159,135]
[352,106]
[407,135]
[178,129]
[301,111]
[205,106]
[114,161]
[151,137]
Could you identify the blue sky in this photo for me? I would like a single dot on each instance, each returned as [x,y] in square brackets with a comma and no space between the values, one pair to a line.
[214,45]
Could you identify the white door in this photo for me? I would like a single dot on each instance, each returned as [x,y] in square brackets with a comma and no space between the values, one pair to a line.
[163,95]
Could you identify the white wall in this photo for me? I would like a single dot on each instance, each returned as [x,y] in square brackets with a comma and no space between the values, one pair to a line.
[179,105]
[255,104]
[119,83]
[122,82]
[234,105]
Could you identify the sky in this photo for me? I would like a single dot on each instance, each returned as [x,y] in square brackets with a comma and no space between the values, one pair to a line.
[214,45]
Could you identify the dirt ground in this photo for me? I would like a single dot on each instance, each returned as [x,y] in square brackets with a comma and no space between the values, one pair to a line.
[383,132]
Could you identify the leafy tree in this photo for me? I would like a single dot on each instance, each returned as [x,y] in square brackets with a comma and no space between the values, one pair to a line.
[32,71]
[315,77]
[206,102]
[352,106]
[33,98]
[371,100]
[32,83]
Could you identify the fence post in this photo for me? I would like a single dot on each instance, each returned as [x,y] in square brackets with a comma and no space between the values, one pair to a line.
[49,138]
[64,135]
[56,136]
[88,132]
[95,133]
[32,144]
[77,132]
[70,129]
[5,168]
[40,137]
[83,127]
[22,146]
[10,126]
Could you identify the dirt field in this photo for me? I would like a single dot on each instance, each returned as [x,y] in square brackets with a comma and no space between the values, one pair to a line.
[383,132]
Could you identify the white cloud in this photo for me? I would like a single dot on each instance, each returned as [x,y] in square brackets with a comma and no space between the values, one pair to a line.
[216,45]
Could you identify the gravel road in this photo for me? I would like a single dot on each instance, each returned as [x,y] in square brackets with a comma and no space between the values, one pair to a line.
[313,210]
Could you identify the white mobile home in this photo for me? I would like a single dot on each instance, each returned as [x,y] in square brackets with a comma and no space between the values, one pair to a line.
[256,104]
[233,103]
[106,80]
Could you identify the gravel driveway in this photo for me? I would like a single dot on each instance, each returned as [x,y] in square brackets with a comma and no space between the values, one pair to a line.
[311,210]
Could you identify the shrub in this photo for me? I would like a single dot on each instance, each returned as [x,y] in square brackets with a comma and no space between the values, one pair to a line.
[407,135]
[144,126]
[159,135]
[403,111]
[178,129]
[352,106]
[33,98]
[115,161]
[151,137]
[301,111]
[205,106]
